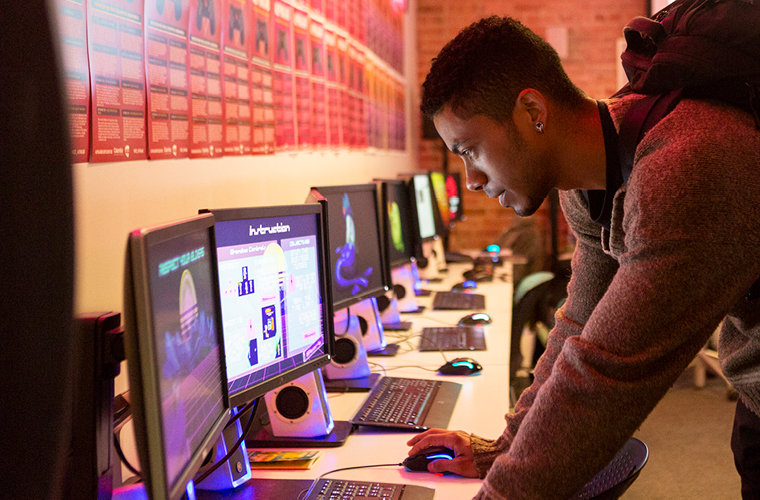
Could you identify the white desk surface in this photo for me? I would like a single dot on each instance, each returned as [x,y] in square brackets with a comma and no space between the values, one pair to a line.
[482,404]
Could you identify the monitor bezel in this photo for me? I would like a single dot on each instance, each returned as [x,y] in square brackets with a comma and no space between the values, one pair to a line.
[413,237]
[385,272]
[417,235]
[140,350]
[231,214]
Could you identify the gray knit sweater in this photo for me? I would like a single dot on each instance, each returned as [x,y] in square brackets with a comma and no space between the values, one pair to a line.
[682,250]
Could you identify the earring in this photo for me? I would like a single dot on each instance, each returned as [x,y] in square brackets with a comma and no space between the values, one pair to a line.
[539,127]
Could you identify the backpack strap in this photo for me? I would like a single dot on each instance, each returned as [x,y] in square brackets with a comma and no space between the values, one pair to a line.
[643,115]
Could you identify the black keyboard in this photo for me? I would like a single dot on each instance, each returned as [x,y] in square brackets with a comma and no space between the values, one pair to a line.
[336,489]
[459,300]
[409,403]
[453,338]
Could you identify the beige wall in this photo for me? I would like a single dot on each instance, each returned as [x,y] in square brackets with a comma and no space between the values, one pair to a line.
[112,199]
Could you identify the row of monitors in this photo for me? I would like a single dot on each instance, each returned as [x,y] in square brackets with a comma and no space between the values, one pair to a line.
[225,306]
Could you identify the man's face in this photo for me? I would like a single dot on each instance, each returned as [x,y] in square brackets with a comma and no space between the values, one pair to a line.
[498,160]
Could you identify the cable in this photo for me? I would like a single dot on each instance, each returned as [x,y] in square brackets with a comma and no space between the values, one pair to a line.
[308,491]
[123,458]
[254,406]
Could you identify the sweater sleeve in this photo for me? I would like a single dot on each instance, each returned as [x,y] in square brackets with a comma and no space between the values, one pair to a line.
[626,333]
[584,291]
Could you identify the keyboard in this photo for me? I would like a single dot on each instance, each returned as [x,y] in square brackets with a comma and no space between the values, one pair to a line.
[458,300]
[453,338]
[409,403]
[336,489]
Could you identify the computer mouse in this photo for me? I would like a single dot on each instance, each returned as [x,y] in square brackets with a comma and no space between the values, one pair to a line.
[475,319]
[464,286]
[420,461]
[461,366]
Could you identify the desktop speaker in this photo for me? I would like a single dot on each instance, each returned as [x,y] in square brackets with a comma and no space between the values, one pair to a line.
[403,287]
[234,471]
[388,307]
[300,408]
[373,334]
[428,266]
[349,360]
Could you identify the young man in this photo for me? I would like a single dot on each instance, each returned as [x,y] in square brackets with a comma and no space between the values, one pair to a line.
[660,261]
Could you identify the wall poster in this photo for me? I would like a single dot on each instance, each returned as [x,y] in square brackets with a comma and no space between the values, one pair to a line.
[318,89]
[282,78]
[167,74]
[236,26]
[302,78]
[206,131]
[117,81]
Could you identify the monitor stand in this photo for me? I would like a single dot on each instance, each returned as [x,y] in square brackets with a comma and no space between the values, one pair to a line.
[261,434]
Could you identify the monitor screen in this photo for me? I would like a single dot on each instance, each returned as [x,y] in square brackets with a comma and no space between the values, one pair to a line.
[454,193]
[397,222]
[276,314]
[175,351]
[438,183]
[356,256]
[423,198]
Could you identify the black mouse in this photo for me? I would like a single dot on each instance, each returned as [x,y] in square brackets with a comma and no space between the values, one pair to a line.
[475,319]
[420,461]
[461,366]
[464,286]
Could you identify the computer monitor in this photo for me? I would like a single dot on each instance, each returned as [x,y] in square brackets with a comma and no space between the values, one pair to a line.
[356,254]
[454,193]
[423,199]
[175,351]
[395,206]
[275,300]
[441,207]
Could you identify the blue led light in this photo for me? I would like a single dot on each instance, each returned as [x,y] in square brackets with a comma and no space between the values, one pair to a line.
[493,248]
[440,457]
[462,363]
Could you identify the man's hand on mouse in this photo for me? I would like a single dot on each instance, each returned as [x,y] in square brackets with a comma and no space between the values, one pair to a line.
[459,441]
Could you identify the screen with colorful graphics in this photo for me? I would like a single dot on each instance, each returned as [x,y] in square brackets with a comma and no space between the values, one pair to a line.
[423,198]
[273,295]
[174,351]
[357,265]
[397,222]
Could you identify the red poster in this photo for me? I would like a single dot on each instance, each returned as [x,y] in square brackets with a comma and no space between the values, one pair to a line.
[168,77]
[72,29]
[283,78]
[262,98]
[399,125]
[207,110]
[346,103]
[115,44]
[341,13]
[318,89]
[357,91]
[372,106]
[333,90]
[236,25]
[303,80]
[330,10]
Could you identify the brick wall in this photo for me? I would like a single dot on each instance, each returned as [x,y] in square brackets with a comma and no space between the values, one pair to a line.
[593,28]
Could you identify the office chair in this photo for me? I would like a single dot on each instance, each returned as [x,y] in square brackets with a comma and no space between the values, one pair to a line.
[619,474]
[536,299]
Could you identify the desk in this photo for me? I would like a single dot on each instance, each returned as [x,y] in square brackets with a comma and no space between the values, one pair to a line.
[482,404]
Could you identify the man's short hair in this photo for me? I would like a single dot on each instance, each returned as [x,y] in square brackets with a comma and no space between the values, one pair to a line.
[486,66]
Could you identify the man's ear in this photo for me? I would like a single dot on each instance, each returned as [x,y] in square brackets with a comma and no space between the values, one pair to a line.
[530,107]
